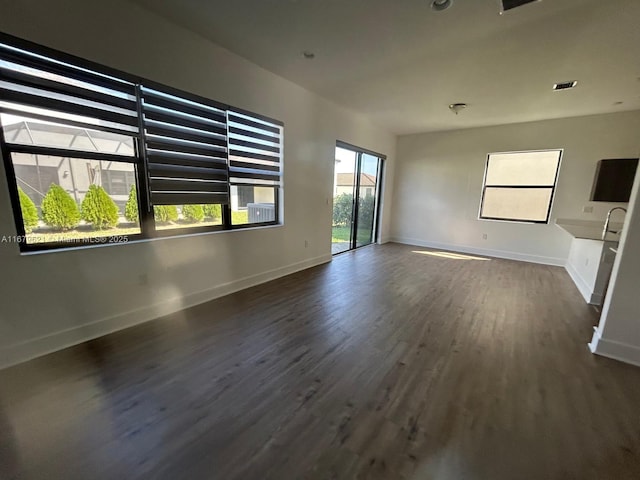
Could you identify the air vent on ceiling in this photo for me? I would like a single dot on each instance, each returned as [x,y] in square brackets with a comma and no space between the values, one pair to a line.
[511,4]
[565,85]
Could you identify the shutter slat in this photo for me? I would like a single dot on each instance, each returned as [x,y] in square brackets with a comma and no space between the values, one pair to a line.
[67,107]
[258,146]
[173,145]
[63,88]
[252,162]
[179,171]
[186,144]
[65,70]
[248,133]
[167,130]
[234,118]
[255,166]
[192,122]
[174,158]
[257,156]
[190,198]
[210,113]
[186,185]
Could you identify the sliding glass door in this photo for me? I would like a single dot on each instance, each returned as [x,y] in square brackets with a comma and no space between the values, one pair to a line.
[356,193]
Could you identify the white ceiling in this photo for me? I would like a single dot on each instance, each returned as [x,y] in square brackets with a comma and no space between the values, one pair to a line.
[402,64]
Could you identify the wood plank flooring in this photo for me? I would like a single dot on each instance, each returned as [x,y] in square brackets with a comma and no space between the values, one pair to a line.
[388,363]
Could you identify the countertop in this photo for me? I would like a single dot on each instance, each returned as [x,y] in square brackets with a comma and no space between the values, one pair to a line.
[589,229]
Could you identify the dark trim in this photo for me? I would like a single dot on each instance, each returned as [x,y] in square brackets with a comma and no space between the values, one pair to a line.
[349,146]
[519,186]
[355,209]
[518,220]
[68,153]
[172,232]
[13,187]
[250,225]
[145,211]
[375,231]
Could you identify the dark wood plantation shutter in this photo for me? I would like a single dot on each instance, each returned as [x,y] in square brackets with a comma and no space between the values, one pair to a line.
[186,149]
[255,150]
[48,89]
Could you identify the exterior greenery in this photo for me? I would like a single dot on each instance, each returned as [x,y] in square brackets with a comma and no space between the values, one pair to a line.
[131,208]
[212,211]
[29,211]
[59,209]
[343,210]
[99,209]
[192,213]
[165,213]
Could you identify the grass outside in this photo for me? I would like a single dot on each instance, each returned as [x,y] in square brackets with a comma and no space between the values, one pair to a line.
[239,217]
[343,234]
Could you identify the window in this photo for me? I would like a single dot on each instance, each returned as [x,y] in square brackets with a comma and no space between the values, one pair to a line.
[254,169]
[91,153]
[519,186]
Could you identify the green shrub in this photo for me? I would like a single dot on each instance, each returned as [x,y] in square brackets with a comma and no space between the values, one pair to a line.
[165,213]
[59,209]
[29,211]
[131,208]
[99,209]
[192,213]
[212,210]
[342,209]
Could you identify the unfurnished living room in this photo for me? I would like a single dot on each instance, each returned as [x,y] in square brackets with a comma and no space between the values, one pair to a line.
[320,239]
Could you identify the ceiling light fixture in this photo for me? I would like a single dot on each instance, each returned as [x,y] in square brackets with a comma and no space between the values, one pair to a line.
[308,55]
[440,5]
[457,107]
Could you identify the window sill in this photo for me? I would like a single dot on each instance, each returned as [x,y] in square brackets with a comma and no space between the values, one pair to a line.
[139,240]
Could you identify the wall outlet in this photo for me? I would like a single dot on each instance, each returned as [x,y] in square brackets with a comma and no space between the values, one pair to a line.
[484,236]
[306,243]
[143,279]
[587,209]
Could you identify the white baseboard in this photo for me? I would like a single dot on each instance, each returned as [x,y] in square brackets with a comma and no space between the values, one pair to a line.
[582,285]
[37,347]
[523,257]
[622,352]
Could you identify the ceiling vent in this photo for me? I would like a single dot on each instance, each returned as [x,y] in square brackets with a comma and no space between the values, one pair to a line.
[506,5]
[564,85]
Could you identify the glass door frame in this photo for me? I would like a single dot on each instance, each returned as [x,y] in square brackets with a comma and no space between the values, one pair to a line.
[355,208]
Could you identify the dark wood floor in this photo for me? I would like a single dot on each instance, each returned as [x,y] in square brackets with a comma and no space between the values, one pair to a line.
[384,364]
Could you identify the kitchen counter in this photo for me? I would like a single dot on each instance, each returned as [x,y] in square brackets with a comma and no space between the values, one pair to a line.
[590,258]
[589,229]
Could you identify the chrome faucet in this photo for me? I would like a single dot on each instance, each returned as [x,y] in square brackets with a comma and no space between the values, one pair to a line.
[606,223]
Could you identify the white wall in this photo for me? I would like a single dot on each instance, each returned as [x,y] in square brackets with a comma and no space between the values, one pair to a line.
[618,334]
[439,177]
[52,300]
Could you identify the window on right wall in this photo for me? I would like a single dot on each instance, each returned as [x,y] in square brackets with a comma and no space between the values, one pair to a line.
[520,186]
